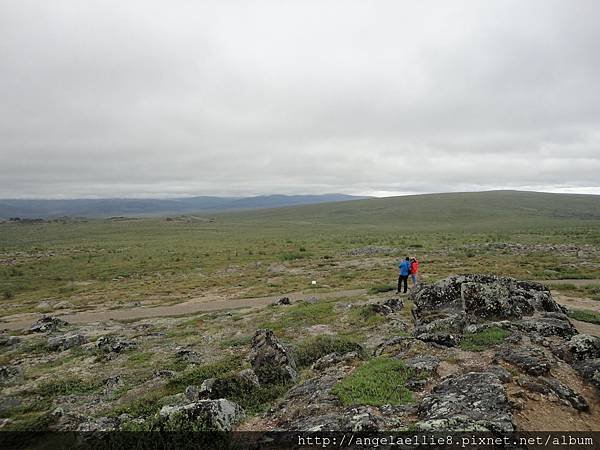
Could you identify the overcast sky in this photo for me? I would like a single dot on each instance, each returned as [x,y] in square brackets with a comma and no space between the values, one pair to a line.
[146,98]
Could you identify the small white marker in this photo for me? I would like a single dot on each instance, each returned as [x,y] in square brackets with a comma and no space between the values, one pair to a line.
[313,282]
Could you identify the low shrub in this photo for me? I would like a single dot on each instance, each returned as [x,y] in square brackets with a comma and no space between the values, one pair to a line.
[313,348]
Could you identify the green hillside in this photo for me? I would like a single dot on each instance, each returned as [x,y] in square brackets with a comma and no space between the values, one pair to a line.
[432,211]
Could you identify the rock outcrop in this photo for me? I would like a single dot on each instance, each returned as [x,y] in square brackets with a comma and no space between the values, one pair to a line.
[112,344]
[66,341]
[475,401]
[272,362]
[444,310]
[47,324]
[214,415]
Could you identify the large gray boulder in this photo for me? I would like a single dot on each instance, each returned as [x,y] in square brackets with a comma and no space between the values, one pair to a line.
[66,341]
[272,362]
[8,341]
[444,310]
[475,401]
[214,415]
[10,374]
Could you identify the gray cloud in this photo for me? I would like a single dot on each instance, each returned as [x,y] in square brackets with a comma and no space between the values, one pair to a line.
[147,98]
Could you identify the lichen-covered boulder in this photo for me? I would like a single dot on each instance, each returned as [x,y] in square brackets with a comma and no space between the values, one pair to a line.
[8,341]
[10,374]
[213,415]
[529,359]
[112,344]
[584,346]
[272,362]
[47,324]
[444,310]
[475,401]
[66,341]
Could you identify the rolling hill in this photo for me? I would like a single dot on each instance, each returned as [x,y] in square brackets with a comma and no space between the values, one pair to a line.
[107,207]
[467,209]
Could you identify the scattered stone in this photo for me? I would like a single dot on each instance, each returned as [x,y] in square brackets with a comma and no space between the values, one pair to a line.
[10,374]
[416,385]
[529,359]
[284,301]
[372,250]
[249,377]
[66,341]
[112,384]
[64,305]
[271,361]
[584,346]
[502,374]
[111,344]
[475,401]
[312,299]
[352,419]
[47,324]
[8,341]
[188,355]
[100,424]
[192,393]
[423,364]
[276,268]
[206,388]
[8,403]
[545,386]
[590,370]
[566,394]
[164,373]
[43,305]
[395,304]
[400,345]
[216,415]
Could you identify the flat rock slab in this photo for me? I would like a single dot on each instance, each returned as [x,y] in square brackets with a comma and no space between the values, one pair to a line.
[475,401]
[532,361]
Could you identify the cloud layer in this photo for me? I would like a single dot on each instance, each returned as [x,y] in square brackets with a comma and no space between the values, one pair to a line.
[145,98]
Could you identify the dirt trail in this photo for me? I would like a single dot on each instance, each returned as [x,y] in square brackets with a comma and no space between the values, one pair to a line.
[573,281]
[216,303]
[577,302]
[200,304]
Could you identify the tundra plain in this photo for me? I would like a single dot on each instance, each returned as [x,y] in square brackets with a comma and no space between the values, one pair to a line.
[163,304]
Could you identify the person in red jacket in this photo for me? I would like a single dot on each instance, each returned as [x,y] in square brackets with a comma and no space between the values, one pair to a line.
[414,270]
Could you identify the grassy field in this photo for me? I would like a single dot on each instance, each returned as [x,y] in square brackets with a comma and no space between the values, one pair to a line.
[344,245]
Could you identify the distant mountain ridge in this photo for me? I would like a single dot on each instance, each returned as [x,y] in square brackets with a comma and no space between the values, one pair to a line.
[108,207]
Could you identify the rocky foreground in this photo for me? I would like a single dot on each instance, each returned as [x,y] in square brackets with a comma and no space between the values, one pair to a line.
[482,353]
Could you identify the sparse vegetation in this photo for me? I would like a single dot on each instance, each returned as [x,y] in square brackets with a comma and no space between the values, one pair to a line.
[111,264]
[377,382]
[313,348]
[585,316]
[379,288]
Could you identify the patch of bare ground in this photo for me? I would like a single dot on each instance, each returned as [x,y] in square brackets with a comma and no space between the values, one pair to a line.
[577,302]
[545,412]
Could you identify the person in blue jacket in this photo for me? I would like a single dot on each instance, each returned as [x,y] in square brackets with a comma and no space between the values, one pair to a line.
[404,267]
